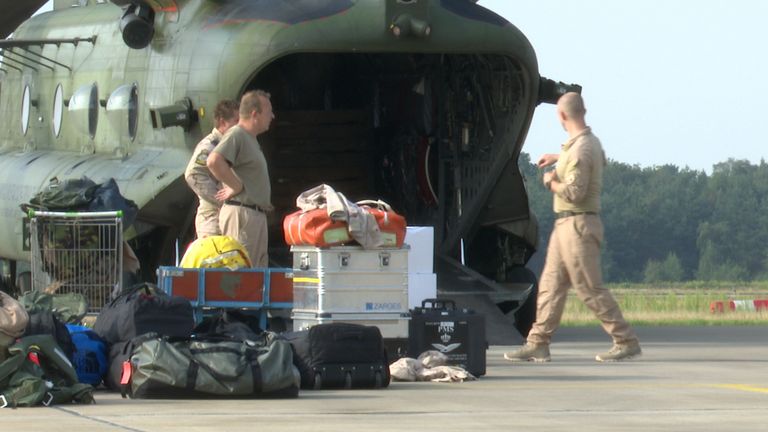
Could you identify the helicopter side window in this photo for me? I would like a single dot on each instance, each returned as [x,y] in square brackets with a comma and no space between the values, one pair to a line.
[26,106]
[84,109]
[133,112]
[58,110]
[123,109]
[93,111]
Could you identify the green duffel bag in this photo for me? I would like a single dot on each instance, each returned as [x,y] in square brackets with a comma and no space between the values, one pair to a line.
[211,367]
[37,372]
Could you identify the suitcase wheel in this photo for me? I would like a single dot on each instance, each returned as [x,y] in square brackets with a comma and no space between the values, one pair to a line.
[318,381]
[348,380]
[378,381]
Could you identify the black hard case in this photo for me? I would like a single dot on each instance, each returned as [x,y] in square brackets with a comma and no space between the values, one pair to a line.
[340,355]
[457,333]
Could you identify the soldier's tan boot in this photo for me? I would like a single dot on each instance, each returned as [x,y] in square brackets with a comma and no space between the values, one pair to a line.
[529,352]
[619,352]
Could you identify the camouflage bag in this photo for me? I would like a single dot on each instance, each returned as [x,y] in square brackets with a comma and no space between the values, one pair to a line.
[69,308]
[67,195]
[83,194]
[37,372]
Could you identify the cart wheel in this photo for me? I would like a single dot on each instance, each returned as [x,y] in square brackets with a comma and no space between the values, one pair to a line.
[348,380]
[318,381]
[378,381]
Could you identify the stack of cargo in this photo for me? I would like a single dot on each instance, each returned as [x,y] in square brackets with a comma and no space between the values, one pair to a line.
[350,263]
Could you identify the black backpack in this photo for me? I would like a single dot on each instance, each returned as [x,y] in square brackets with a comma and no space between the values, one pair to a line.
[143,309]
[230,323]
[44,322]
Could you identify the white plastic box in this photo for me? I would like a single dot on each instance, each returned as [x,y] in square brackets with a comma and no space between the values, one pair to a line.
[422,282]
[421,286]
[421,240]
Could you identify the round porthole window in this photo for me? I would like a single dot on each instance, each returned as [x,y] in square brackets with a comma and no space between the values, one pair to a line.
[123,109]
[84,109]
[58,110]
[133,112]
[93,111]
[26,106]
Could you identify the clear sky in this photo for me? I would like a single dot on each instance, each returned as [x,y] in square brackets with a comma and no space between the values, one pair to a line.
[677,82]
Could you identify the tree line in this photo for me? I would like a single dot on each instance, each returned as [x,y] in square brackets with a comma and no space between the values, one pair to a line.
[666,223]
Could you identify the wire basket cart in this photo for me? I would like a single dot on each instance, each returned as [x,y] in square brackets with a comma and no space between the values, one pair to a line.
[77,252]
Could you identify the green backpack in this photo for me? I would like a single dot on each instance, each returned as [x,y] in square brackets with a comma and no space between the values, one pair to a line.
[37,372]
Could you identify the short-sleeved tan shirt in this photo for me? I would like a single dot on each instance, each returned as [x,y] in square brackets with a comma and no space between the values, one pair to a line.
[580,173]
[198,176]
[243,151]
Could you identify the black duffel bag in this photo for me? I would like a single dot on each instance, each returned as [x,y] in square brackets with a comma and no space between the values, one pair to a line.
[144,309]
[233,323]
[340,355]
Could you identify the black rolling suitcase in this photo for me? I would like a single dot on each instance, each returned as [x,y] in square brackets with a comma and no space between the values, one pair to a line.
[457,333]
[340,355]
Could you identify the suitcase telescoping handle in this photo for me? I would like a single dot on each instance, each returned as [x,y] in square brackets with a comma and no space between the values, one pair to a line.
[438,304]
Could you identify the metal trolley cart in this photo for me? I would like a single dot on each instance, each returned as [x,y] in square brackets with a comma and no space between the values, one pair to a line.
[269,290]
[80,252]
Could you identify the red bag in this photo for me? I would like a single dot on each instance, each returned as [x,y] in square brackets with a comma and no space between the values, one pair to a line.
[315,228]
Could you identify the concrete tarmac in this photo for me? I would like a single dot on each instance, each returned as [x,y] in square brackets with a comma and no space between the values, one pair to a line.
[689,379]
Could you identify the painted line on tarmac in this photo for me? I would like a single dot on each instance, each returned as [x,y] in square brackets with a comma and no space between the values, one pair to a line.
[116,425]
[742,387]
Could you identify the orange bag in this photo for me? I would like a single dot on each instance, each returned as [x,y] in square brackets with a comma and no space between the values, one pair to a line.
[391,224]
[315,228]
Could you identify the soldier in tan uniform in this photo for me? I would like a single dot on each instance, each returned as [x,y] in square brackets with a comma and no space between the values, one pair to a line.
[573,255]
[242,168]
[199,177]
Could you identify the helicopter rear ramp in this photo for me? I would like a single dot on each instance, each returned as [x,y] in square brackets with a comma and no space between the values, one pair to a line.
[470,290]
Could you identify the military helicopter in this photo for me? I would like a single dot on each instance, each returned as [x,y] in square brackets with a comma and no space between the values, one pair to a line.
[423,103]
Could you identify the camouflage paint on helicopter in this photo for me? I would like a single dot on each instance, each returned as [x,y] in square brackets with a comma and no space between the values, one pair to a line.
[425,103]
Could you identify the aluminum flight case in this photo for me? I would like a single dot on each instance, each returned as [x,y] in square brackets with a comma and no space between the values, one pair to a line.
[351,284]
[457,333]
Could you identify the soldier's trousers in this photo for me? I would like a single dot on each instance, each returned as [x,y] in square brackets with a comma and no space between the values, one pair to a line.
[249,227]
[573,260]
[207,221]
